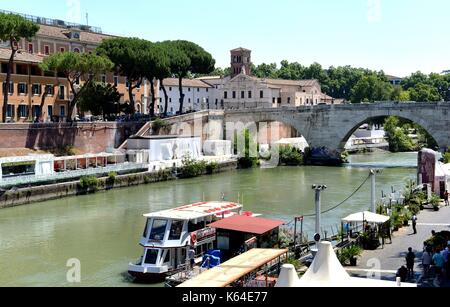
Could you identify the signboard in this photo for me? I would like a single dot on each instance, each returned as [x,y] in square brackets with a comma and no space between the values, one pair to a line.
[204,234]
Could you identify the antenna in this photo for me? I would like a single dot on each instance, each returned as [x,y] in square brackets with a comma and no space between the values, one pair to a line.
[87,18]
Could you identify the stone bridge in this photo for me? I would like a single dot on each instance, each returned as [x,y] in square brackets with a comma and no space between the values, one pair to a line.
[326,126]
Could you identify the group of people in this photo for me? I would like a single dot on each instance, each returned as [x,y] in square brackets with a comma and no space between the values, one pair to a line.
[437,260]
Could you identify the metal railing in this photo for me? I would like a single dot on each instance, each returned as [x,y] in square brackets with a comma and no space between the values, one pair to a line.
[32,179]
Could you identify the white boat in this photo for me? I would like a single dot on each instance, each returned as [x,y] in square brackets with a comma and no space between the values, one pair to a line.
[170,234]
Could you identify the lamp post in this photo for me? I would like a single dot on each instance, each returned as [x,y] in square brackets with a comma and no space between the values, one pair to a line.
[373,200]
[318,189]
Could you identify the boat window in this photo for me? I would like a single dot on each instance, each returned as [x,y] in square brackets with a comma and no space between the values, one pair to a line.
[146,228]
[167,258]
[151,256]
[175,230]
[158,230]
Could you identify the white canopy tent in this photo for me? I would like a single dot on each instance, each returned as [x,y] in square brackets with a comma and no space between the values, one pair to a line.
[327,271]
[367,217]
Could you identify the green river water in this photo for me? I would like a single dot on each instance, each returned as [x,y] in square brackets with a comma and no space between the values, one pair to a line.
[103,230]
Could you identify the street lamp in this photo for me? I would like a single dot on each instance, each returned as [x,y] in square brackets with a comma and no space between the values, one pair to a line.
[318,189]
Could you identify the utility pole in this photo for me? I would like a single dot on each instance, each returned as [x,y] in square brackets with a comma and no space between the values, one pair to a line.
[373,199]
[318,189]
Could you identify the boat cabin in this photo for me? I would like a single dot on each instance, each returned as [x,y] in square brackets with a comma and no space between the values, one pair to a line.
[170,235]
[240,233]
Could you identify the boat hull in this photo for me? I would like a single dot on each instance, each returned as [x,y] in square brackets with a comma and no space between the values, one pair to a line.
[148,277]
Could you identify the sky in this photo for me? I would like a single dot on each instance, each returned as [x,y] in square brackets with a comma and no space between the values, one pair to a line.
[397,36]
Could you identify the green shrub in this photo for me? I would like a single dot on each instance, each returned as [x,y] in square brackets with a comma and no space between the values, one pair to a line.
[212,167]
[344,255]
[112,177]
[248,156]
[158,124]
[89,183]
[192,168]
[291,156]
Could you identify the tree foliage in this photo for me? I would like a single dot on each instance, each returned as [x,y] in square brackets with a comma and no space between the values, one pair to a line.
[73,66]
[127,55]
[100,99]
[12,29]
[370,89]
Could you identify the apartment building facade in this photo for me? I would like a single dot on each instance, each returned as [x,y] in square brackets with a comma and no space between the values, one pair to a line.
[28,81]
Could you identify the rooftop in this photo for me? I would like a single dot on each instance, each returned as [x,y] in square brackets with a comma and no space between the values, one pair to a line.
[55,22]
[186,83]
[240,49]
[20,56]
[195,211]
[234,269]
[246,224]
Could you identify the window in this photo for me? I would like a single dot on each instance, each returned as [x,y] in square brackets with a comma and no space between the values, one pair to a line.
[242,94]
[23,111]
[50,89]
[103,79]
[261,94]
[62,49]
[250,94]
[189,100]
[127,84]
[9,111]
[22,88]
[167,257]
[30,48]
[50,111]
[225,95]
[62,111]
[36,111]
[61,92]
[36,89]
[279,100]
[175,230]
[170,89]
[198,89]
[151,256]
[189,89]
[170,99]
[289,100]
[77,50]
[158,230]
[46,49]
[234,95]
[207,90]
[198,100]
[116,80]
[10,88]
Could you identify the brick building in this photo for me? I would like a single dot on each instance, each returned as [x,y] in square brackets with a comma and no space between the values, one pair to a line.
[28,81]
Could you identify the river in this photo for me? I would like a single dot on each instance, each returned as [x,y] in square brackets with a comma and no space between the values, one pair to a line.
[103,230]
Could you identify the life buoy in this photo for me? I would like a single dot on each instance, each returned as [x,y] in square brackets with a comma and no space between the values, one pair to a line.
[193,238]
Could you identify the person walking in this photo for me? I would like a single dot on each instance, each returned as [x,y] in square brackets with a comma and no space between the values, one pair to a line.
[438,261]
[446,195]
[427,259]
[414,224]
[410,258]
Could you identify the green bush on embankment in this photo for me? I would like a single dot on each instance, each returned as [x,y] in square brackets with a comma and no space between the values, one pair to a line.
[88,184]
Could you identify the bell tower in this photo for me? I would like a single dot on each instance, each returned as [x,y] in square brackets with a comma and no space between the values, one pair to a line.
[241,61]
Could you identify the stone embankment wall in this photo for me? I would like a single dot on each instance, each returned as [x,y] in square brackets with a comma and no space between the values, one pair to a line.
[30,195]
[86,137]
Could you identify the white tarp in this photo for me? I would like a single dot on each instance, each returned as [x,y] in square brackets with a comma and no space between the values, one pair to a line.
[366,216]
[164,149]
[216,148]
[327,271]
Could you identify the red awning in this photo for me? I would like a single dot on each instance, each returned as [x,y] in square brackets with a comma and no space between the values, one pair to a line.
[253,225]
